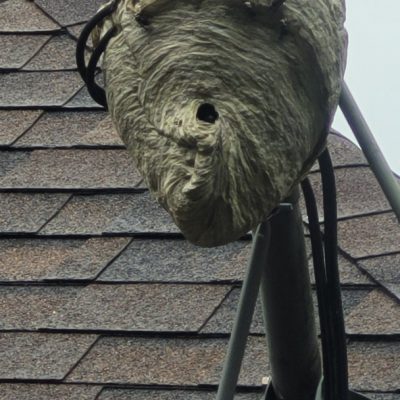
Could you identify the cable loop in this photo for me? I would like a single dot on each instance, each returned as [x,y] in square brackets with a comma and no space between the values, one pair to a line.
[88,72]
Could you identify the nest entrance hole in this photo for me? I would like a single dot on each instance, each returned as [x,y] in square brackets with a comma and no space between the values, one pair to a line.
[207,113]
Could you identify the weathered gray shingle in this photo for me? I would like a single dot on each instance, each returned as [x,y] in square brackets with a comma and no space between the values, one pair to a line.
[28,308]
[138,308]
[222,320]
[36,260]
[377,314]
[350,274]
[138,394]
[83,99]
[23,212]
[70,12]
[357,189]
[13,123]
[40,356]
[21,89]
[67,129]
[153,361]
[57,54]
[26,391]
[71,169]
[344,152]
[119,213]
[384,268]
[179,261]
[24,16]
[369,235]
[374,366]
[16,50]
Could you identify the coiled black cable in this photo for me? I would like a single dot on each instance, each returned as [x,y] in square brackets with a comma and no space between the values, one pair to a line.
[88,73]
[98,93]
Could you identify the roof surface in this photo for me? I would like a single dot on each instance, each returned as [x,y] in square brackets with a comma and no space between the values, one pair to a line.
[100,296]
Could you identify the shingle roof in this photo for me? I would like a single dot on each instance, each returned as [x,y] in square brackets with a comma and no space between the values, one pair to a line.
[100,296]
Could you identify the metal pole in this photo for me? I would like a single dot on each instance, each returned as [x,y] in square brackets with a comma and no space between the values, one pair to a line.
[244,315]
[288,309]
[370,148]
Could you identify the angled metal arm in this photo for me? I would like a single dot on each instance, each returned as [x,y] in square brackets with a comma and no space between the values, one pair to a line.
[370,147]
[244,315]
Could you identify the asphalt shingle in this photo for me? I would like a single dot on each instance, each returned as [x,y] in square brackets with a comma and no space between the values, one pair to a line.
[374,366]
[40,356]
[26,391]
[385,269]
[24,16]
[394,288]
[76,30]
[83,100]
[144,307]
[13,123]
[9,160]
[377,314]
[369,235]
[383,396]
[26,260]
[343,152]
[104,134]
[72,169]
[57,54]
[22,89]
[67,129]
[178,261]
[115,214]
[222,320]
[349,273]
[357,189]
[16,50]
[70,12]
[23,212]
[153,361]
[138,394]
[27,308]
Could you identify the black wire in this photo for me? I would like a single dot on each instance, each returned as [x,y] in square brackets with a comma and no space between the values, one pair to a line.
[88,73]
[84,36]
[98,93]
[322,294]
[332,274]
[333,334]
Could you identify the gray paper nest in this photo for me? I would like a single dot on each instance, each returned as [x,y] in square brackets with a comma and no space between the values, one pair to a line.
[223,104]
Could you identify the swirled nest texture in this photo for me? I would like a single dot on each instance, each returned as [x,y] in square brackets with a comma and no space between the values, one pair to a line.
[223,104]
